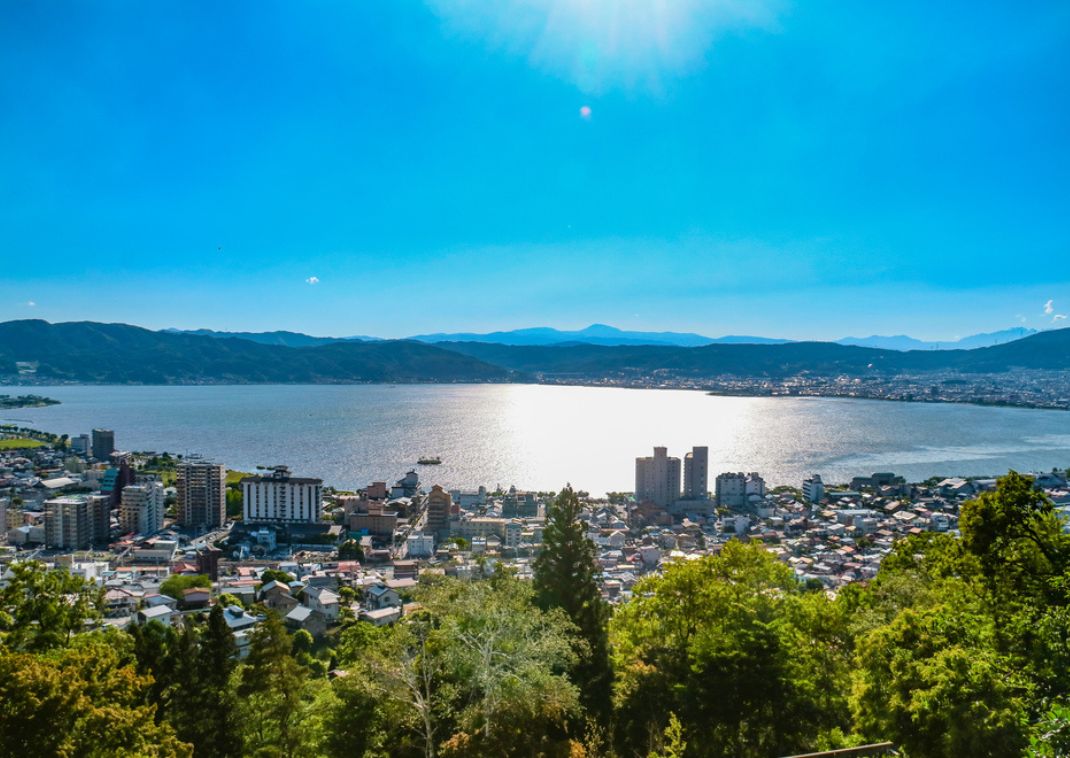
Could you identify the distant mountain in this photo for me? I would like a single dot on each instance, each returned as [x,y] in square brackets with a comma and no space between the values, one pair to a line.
[1045,350]
[903,342]
[595,334]
[286,339]
[610,336]
[121,354]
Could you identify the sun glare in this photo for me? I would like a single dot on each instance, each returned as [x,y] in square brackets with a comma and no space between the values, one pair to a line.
[603,44]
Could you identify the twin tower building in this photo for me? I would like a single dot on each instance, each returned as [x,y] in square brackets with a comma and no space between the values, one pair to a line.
[657,477]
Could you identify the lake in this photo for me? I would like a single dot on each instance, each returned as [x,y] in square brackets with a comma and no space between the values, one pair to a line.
[539,437]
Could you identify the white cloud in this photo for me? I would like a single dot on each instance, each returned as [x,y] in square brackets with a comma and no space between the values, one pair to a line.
[1058,317]
[1049,307]
[31,304]
[1021,319]
[312,280]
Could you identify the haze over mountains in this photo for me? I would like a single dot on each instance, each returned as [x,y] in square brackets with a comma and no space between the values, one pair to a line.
[903,342]
[602,334]
[118,353]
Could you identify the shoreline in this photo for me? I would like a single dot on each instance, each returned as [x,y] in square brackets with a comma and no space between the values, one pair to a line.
[1024,405]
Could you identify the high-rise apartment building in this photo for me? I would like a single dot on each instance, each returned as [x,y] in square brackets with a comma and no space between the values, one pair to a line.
[103,444]
[518,504]
[657,478]
[202,494]
[813,489]
[76,522]
[439,506]
[142,508]
[697,474]
[734,489]
[279,497]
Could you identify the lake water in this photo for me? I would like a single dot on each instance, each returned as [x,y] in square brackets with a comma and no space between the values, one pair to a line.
[539,437]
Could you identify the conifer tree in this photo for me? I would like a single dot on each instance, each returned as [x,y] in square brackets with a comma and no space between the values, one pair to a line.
[272,684]
[217,731]
[566,577]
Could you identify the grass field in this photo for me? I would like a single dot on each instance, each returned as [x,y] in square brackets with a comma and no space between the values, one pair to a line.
[233,477]
[20,443]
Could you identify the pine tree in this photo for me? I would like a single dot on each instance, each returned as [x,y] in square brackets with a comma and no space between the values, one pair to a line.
[271,687]
[218,731]
[565,577]
[182,706]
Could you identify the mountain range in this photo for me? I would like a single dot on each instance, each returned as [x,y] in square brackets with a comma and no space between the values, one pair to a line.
[903,342]
[119,353]
[602,334]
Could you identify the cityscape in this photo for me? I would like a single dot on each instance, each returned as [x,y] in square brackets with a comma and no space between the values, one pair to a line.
[128,521]
[535,379]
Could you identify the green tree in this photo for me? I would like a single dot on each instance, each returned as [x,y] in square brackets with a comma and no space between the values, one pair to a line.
[272,687]
[176,584]
[85,700]
[1051,734]
[930,682]
[275,575]
[153,647]
[673,744]
[350,550]
[749,663]
[505,655]
[228,599]
[479,670]
[42,608]
[355,721]
[566,577]
[234,502]
[215,730]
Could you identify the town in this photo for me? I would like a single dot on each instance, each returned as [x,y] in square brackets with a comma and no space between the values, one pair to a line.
[168,536]
[1016,389]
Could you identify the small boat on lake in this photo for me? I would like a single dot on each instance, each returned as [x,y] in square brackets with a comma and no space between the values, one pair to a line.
[432,461]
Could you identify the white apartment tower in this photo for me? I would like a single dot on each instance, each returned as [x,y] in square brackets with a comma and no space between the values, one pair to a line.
[75,522]
[697,474]
[141,510]
[281,498]
[657,478]
[734,490]
[202,494]
[813,489]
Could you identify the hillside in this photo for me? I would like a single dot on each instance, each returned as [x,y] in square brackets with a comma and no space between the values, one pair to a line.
[118,353]
[1046,350]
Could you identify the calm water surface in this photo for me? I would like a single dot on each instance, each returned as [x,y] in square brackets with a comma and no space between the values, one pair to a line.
[539,437]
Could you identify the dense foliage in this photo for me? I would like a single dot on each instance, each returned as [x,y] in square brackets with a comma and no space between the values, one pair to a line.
[959,647]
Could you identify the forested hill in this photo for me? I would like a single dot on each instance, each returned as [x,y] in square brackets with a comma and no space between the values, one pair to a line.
[1047,350]
[118,353]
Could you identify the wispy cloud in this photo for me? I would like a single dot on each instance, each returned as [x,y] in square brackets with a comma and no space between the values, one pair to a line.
[1049,307]
[31,304]
[605,44]
[1058,317]
[312,280]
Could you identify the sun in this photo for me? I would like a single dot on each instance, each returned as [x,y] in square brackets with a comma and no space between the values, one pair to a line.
[604,44]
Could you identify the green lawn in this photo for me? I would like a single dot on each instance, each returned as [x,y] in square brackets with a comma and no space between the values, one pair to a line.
[20,443]
[233,477]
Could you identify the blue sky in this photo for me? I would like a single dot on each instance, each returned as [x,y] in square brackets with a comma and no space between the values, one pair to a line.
[804,170]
